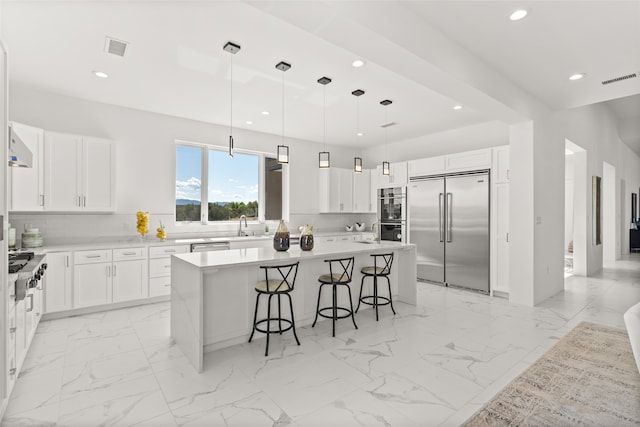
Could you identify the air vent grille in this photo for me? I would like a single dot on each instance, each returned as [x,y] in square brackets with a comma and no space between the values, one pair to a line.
[115,47]
[386,125]
[619,79]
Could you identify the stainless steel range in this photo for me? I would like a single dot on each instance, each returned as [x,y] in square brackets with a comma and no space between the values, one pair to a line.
[30,269]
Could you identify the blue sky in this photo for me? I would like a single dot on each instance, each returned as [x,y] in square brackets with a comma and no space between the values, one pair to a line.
[230,179]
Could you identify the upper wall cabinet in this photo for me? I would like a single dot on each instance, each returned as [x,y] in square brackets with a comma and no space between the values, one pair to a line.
[26,191]
[501,164]
[336,190]
[79,173]
[397,175]
[469,160]
[428,166]
[363,202]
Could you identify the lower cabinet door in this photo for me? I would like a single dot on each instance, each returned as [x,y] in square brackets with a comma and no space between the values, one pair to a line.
[129,280]
[159,286]
[92,284]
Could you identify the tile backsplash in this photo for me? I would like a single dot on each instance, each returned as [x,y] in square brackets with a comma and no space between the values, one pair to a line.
[82,228]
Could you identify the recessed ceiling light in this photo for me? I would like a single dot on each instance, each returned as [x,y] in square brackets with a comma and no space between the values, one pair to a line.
[458,107]
[101,74]
[577,76]
[265,113]
[358,63]
[360,134]
[518,14]
[249,122]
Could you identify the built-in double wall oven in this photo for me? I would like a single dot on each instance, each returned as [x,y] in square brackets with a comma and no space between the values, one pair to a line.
[392,213]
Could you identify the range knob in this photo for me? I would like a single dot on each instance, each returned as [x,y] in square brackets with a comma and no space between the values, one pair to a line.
[33,283]
[36,276]
[44,266]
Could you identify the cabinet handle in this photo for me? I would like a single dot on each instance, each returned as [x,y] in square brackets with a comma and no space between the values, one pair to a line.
[12,330]
[507,237]
[84,201]
[93,256]
[169,250]
[129,253]
[67,260]
[12,372]
[114,271]
[42,200]
[508,175]
[167,285]
[30,303]
[79,202]
[107,270]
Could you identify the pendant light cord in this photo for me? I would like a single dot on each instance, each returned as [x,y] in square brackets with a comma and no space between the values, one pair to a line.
[231,85]
[324,118]
[283,108]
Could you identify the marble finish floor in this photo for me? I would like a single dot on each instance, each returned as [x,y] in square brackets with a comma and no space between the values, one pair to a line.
[431,365]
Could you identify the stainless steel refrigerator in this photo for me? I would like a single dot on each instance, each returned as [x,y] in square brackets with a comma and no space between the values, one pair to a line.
[449,223]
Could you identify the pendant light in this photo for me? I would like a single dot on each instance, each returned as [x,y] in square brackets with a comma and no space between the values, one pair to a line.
[283,150]
[324,161]
[386,170]
[357,161]
[233,49]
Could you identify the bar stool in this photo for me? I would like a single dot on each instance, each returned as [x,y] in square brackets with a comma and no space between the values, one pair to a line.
[381,268]
[340,272]
[282,284]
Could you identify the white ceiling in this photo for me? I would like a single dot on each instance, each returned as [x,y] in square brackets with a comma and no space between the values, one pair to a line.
[175,64]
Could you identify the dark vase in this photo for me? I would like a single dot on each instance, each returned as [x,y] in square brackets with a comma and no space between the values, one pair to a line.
[281,237]
[306,242]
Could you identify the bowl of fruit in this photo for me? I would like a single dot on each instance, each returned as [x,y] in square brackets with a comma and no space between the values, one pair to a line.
[161,234]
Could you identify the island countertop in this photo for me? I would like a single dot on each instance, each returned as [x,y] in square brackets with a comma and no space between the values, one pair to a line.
[247,256]
[213,296]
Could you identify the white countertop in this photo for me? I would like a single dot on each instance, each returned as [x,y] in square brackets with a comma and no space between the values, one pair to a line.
[135,241]
[233,257]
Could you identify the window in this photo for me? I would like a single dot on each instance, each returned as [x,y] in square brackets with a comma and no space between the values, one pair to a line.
[247,184]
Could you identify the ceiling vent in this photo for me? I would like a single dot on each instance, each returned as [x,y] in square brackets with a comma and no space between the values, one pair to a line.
[386,125]
[114,46]
[619,79]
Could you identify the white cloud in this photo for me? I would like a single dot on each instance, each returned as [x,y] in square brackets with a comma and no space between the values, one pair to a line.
[189,189]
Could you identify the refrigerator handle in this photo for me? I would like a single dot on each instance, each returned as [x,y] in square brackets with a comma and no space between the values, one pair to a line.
[440,217]
[449,216]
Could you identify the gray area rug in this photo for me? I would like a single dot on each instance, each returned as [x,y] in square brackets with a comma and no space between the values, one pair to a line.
[588,378]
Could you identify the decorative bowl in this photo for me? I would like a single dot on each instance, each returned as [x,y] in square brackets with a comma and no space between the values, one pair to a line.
[360,226]
[349,228]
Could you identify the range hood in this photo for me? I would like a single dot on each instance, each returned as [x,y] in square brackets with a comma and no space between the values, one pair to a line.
[19,153]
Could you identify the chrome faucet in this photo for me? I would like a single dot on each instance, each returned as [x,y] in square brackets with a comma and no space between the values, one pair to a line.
[240,232]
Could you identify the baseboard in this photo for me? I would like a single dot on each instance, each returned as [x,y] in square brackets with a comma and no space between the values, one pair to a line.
[105,307]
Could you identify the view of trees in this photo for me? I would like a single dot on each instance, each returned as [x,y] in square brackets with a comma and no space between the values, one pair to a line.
[218,211]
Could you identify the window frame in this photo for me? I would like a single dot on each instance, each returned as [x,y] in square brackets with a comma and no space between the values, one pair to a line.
[204,184]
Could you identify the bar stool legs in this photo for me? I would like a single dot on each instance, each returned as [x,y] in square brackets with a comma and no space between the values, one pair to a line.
[276,287]
[381,268]
[340,272]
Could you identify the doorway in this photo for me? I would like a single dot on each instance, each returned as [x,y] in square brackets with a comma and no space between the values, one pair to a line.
[576,215]
[609,235]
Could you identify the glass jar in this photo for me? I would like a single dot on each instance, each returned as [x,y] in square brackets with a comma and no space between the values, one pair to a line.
[306,238]
[281,237]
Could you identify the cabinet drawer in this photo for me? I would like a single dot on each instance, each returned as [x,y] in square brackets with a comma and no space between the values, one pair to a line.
[167,251]
[159,267]
[129,253]
[90,257]
[159,286]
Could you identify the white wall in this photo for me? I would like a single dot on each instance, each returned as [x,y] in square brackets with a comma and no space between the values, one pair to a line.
[145,177]
[568,201]
[593,128]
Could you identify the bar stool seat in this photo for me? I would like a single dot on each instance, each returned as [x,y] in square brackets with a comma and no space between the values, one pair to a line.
[275,287]
[340,273]
[381,268]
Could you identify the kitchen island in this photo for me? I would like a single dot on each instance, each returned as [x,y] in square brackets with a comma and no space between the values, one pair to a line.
[213,297]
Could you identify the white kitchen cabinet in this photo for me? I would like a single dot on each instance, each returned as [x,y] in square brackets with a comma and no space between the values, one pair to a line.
[92,284]
[26,191]
[160,268]
[58,282]
[106,276]
[362,201]
[336,190]
[500,164]
[501,238]
[79,173]
[468,160]
[129,274]
[428,166]
[10,354]
[397,175]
